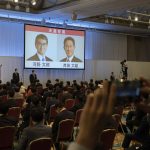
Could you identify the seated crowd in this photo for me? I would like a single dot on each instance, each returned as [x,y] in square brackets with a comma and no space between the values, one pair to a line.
[36,118]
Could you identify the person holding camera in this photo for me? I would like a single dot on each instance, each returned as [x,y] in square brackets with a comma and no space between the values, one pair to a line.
[124,69]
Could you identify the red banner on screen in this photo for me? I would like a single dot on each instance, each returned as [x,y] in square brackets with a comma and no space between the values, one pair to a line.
[54,30]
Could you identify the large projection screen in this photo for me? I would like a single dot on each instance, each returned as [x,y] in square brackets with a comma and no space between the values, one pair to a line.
[56,48]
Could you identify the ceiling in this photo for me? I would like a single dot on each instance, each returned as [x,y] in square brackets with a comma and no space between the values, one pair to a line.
[90,14]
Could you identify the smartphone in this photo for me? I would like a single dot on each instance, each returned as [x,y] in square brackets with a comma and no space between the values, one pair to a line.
[128,88]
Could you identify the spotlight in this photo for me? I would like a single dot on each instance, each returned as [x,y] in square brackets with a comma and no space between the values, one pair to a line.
[17,7]
[131,24]
[8,6]
[106,20]
[16,1]
[136,18]
[33,2]
[36,4]
[129,17]
[112,21]
[27,9]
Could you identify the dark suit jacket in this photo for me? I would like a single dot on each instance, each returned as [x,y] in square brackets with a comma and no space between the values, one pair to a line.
[33,78]
[36,58]
[32,133]
[75,59]
[16,78]
[65,114]
[7,121]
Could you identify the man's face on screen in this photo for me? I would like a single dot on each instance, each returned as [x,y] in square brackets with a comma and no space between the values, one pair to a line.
[41,46]
[69,48]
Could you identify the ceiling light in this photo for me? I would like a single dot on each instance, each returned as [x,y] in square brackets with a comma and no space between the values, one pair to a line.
[33,2]
[136,18]
[16,1]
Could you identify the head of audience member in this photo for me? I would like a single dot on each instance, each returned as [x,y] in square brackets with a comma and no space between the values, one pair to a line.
[60,106]
[41,44]
[37,115]
[35,100]
[68,83]
[16,70]
[49,81]
[4,108]
[11,93]
[69,46]
[0,81]
[17,89]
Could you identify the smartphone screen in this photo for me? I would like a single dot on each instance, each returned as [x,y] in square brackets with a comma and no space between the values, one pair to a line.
[128,88]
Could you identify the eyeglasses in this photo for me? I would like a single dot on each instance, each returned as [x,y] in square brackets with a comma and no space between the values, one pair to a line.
[41,44]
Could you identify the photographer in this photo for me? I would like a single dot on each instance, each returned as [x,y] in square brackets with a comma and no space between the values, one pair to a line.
[124,69]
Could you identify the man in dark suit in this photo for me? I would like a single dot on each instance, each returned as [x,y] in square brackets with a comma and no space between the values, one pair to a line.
[16,77]
[33,77]
[6,120]
[69,47]
[38,130]
[41,44]
[62,115]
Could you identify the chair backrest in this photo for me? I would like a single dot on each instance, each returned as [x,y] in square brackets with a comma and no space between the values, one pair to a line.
[19,102]
[77,117]
[107,138]
[41,143]
[7,137]
[117,118]
[69,103]
[52,112]
[4,98]
[14,112]
[65,130]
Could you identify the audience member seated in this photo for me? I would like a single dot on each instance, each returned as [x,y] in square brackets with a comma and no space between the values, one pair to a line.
[22,88]
[51,100]
[11,102]
[38,130]
[97,109]
[62,115]
[4,90]
[4,119]
[80,104]
[134,118]
[18,95]
[141,135]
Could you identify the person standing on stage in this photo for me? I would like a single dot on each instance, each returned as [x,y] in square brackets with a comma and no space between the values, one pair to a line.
[33,77]
[16,77]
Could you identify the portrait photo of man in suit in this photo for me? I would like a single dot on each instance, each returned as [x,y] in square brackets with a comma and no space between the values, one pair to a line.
[41,45]
[69,47]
